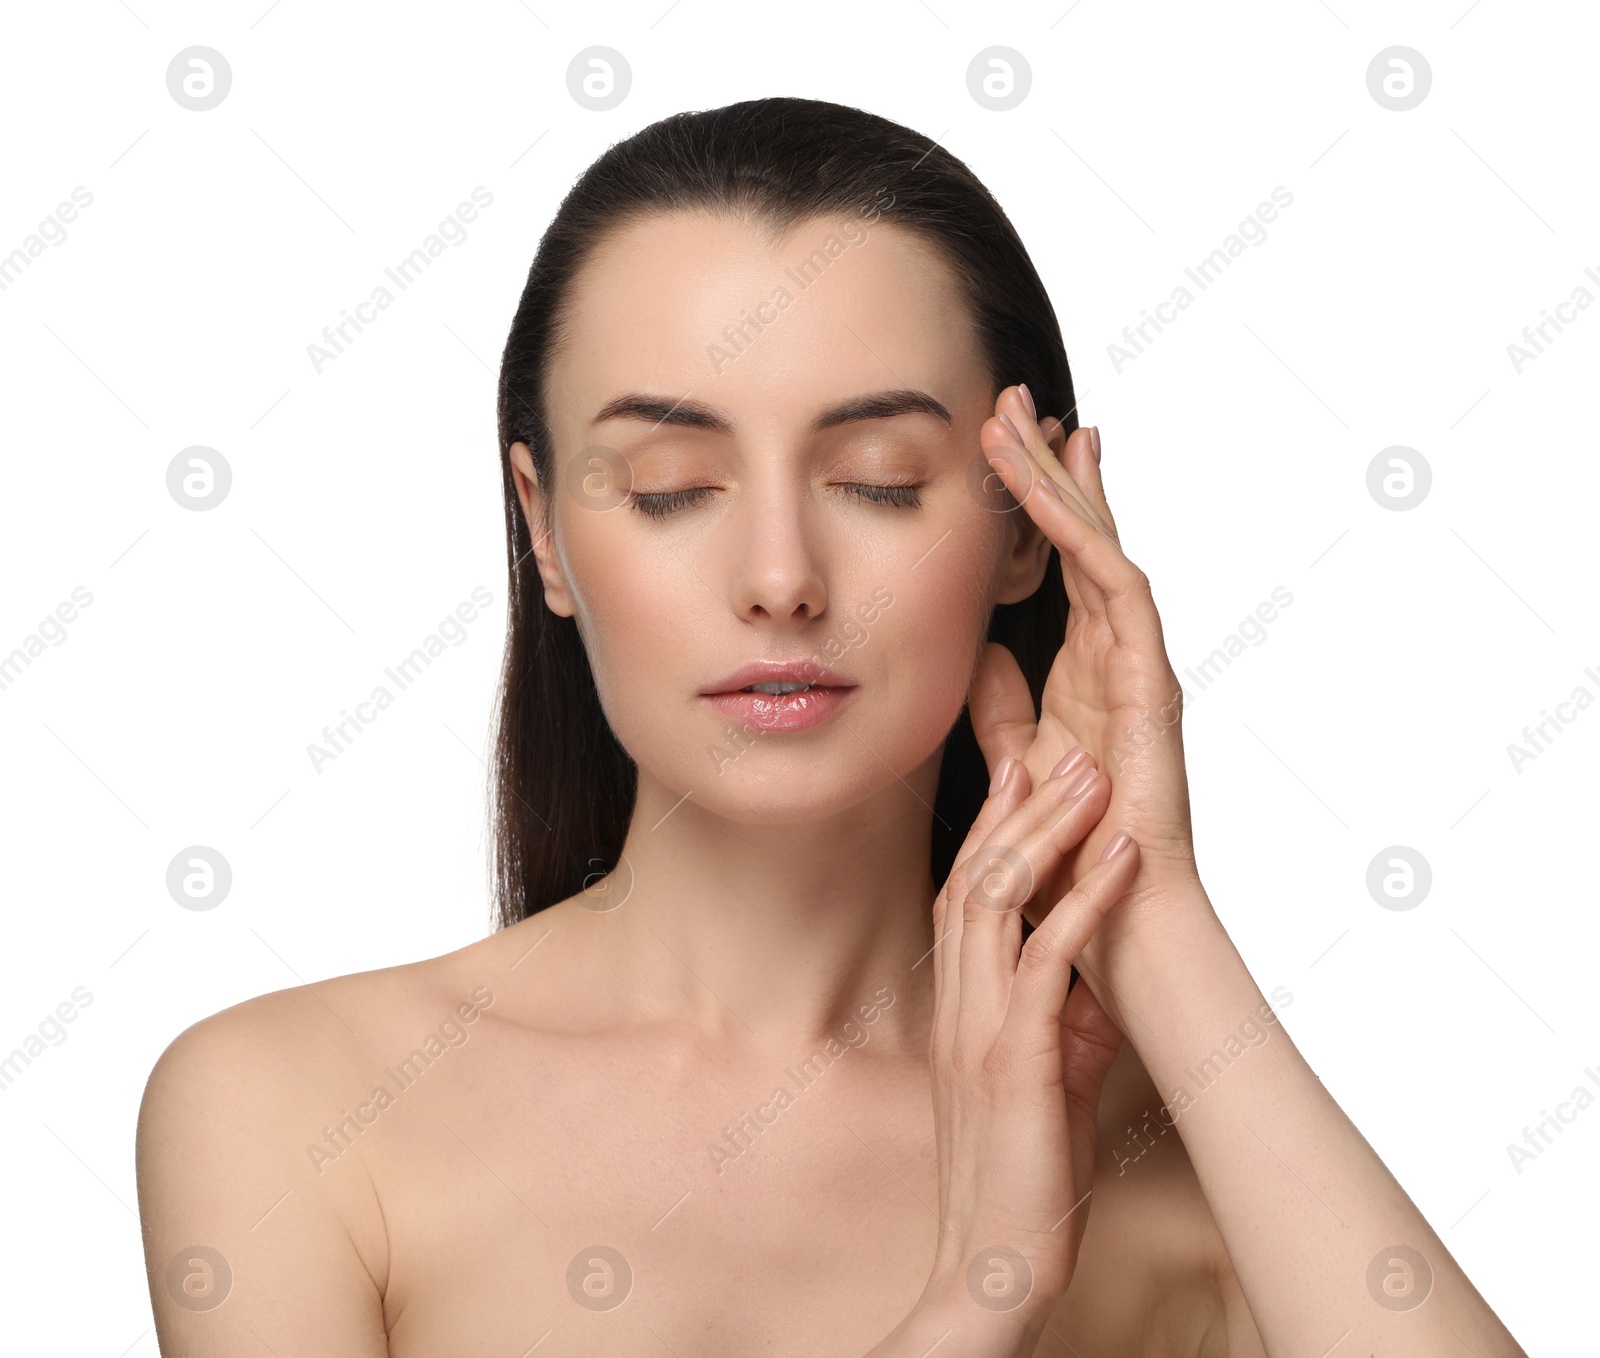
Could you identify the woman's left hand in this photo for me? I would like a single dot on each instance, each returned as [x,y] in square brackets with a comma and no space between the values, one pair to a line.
[1111,688]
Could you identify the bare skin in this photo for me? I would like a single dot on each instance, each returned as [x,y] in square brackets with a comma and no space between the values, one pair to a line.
[560,1149]
[449,1222]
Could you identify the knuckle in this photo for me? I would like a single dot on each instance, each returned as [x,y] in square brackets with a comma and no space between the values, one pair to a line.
[973,910]
[1037,955]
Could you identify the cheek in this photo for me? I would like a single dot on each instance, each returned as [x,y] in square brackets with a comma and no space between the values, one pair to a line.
[940,621]
[630,617]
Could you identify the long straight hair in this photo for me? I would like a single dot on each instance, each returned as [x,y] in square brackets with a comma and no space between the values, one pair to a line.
[562,787]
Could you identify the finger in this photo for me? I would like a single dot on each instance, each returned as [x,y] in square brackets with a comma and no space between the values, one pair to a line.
[1001,707]
[1009,789]
[1083,463]
[1021,852]
[1090,1041]
[1055,434]
[1024,476]
[1044,969]
[1102,567]
[1014,407]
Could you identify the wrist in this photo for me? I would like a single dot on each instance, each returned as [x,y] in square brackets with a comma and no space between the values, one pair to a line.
[1156,921]
[1147,945]
[1177,982]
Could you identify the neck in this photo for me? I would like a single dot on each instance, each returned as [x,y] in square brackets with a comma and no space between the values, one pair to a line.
[772,935]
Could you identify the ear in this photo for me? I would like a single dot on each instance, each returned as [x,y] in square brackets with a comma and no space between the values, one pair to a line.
[1027,558]
[1055,434]
[557,597]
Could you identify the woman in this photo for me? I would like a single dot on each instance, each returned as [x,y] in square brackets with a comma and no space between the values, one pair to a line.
[791,658]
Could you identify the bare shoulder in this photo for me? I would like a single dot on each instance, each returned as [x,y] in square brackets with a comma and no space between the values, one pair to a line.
[1152,1242]
[235,1212]
[299,1042]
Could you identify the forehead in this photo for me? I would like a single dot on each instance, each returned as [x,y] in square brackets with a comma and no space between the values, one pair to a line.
[690,301]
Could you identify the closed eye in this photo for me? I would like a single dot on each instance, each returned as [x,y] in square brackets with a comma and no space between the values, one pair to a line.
[907,497]
[659,504]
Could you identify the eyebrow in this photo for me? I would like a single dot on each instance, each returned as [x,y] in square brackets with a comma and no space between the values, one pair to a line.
[879,405]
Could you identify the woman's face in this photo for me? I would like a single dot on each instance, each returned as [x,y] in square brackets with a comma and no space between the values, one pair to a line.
[798,425]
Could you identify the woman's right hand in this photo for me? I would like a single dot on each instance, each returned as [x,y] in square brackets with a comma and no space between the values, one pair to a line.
[1017,1063]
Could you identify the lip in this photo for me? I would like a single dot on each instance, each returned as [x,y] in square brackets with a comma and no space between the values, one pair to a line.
[780,711]
[778,672]
[829,692]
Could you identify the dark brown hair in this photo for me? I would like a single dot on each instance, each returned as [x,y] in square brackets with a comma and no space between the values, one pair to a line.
[562,786]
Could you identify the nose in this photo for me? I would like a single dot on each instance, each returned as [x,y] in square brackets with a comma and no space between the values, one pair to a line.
[777,573]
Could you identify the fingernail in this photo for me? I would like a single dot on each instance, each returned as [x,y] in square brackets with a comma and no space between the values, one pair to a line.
[1000,771]
[1027,398]
[1119,842]
[1070,760]
[1006,420]
[1094,441]
[1082,782]
[1047,486]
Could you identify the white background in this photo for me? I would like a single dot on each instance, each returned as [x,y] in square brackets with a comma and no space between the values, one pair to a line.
[366,505]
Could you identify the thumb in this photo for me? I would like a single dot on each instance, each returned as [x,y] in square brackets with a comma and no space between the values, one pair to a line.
[1001,707]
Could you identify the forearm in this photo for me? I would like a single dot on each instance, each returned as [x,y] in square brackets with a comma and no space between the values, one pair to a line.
[1308,1213]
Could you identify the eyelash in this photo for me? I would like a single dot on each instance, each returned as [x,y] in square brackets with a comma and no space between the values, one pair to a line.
[658,505]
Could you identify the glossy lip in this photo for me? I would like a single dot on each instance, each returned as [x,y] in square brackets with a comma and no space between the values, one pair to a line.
[796,711]
[779,672]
